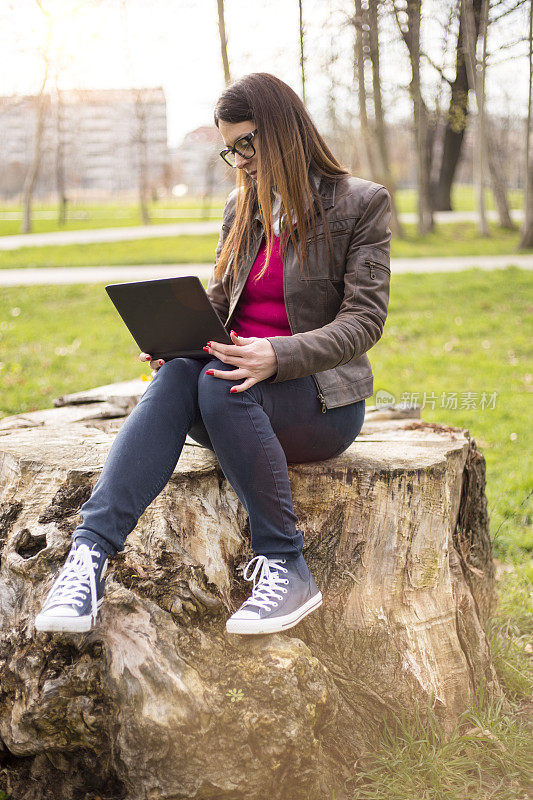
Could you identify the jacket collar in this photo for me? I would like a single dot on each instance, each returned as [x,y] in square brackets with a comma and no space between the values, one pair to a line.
[326,190]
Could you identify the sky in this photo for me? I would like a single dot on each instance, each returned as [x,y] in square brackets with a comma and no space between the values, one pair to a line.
[175,44]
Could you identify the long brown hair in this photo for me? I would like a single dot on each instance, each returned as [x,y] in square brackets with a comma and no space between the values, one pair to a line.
[289,146]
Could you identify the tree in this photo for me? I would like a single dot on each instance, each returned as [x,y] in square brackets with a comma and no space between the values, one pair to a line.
[527,231]
[410,32]
[42,104]
[140,138]
[223,42]
[302,58]
[367,149]
[456,119]
[384,169]
[372,145]
[476,79]
[60,157]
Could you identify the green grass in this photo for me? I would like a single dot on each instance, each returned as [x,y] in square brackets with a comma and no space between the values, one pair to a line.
[164,250]
[463,199]
[487,757]
[510,632]
[470,332]
[453,239]
[83,215]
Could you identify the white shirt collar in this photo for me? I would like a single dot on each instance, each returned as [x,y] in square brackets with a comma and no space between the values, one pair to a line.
[276,205]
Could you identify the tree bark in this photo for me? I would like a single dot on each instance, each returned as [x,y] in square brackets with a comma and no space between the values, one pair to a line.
[223,42]
[476,83]
[367,139]
[33,171]
[159,700]
[385,174]
[497,181]
[457,119]
[60,162]
[302,55]
[411,37]
[141,136]
[527,230]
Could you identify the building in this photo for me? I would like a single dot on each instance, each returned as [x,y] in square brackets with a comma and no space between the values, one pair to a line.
[198,164]
[102,140]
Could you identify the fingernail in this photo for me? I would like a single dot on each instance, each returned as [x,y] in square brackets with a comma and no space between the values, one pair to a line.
[233,391]
[161,362]
[206,349]
[210,372]
[235,334]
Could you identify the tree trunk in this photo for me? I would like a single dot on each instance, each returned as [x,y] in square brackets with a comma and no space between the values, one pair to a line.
[60,162]
[497,181]
[476,79]
[33,171]
[142,156]
[367,139]
[457,119]
[411,37]
[223,42]
[302,57]
[527,230]
[385,174]
[159,700]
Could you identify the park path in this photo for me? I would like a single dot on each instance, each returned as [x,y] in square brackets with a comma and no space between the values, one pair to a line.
[118,274]
[179,229]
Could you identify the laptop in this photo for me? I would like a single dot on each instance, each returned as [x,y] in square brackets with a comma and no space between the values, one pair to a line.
[169,317]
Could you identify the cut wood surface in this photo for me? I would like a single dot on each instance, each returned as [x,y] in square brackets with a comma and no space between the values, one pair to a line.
[159,701]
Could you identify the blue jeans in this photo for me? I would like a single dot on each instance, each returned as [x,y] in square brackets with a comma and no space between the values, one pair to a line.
[254,434]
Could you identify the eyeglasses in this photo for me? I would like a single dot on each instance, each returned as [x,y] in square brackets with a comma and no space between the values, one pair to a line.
[242,146]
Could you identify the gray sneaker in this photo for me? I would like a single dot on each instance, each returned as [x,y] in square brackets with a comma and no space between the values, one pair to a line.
[283,595]
[72,603]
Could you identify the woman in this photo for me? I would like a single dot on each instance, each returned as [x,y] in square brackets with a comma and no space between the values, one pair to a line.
[291,387]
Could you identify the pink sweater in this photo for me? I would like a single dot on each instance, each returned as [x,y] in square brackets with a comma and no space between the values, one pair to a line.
[261,307]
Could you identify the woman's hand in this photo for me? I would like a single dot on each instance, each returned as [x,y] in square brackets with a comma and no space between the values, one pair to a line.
[155,365]
[254,358]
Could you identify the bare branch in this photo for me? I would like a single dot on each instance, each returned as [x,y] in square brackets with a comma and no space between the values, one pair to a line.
[436,67]
[508,11]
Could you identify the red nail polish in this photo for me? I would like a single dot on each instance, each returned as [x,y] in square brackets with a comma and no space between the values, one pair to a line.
[161,362]
[210,372]
[233,391]
[206,349]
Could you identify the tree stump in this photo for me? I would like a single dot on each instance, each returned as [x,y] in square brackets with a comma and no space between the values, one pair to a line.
[159,701]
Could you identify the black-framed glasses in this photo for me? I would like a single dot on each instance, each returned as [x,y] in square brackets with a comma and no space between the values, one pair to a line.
[243,146]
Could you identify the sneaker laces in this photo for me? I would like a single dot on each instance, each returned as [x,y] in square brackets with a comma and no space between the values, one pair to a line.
[265,590]
[75,578]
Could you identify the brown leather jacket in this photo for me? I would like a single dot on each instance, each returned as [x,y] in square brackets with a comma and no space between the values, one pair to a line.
[338,313]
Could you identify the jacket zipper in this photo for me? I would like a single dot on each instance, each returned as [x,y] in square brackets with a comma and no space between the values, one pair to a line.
[319,395]
[372,265]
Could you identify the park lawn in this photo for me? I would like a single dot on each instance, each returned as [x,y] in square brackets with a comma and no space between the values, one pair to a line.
[119,214]
[83,216]
[451,239]
[463,199]
[474,337]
